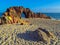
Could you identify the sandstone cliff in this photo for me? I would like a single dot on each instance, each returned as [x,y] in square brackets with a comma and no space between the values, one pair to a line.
[17,11]
[14,15]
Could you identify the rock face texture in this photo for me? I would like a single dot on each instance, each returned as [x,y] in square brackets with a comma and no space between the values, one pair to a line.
[45,36]
[17,11]
[14,15]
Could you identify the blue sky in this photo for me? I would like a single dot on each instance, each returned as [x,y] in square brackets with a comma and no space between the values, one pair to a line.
[34,5]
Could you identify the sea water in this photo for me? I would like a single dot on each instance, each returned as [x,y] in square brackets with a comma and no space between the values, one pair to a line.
[52,15]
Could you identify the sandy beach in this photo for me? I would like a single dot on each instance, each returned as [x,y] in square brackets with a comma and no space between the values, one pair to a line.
[16,34]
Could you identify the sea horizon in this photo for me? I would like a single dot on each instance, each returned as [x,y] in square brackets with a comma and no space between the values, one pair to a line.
[54,16]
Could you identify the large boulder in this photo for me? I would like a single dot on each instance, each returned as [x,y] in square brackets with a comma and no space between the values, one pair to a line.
[45,36]
[14,14]
[17,11]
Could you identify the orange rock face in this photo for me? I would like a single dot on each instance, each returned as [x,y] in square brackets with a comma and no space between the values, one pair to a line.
[15,13]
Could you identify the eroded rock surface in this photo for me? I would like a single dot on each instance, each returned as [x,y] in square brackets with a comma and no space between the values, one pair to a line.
[14,15]
[28,13]
[45,36]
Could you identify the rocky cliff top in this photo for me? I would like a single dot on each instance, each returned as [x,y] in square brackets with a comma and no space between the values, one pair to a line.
[17,11]
[14,15]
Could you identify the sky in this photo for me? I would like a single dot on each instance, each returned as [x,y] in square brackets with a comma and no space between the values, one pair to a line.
[34,5]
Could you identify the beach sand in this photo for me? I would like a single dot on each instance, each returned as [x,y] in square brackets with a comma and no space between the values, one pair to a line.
[16,34]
